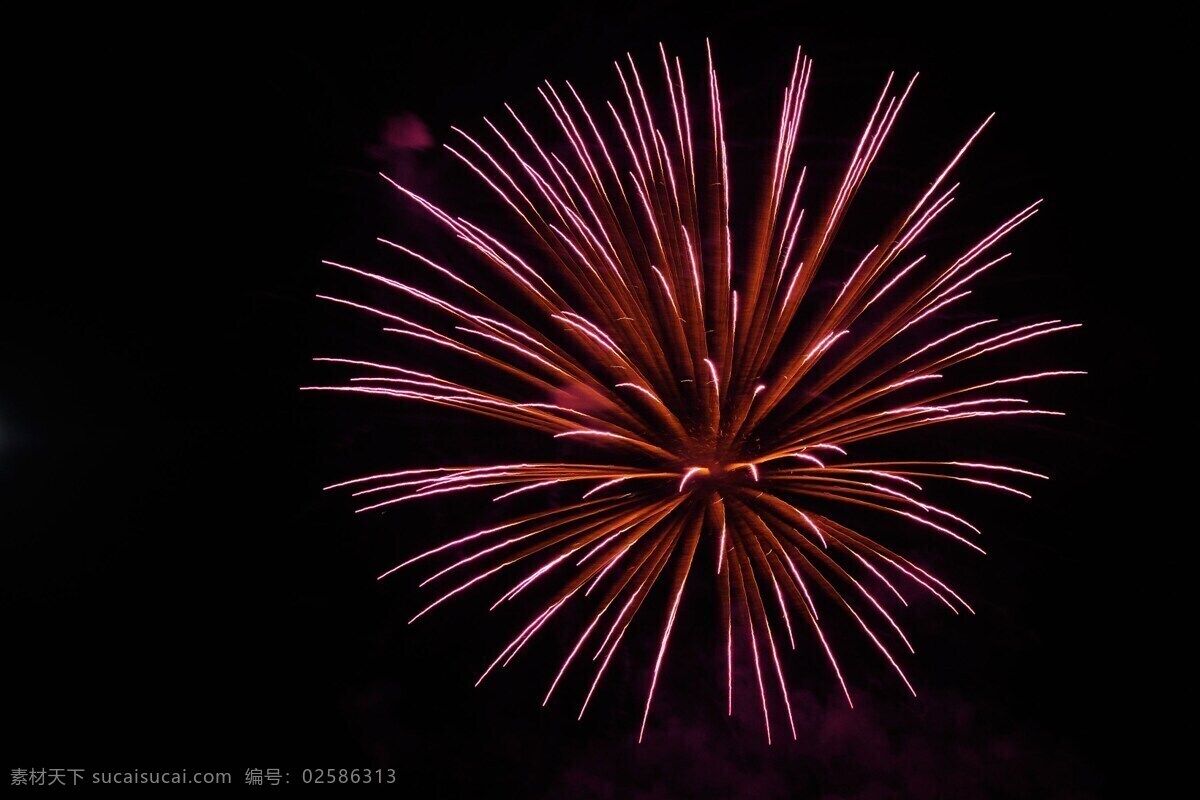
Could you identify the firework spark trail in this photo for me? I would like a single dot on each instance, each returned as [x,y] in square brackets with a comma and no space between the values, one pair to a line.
[716,390]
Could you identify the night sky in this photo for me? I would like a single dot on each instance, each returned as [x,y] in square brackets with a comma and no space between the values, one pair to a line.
[182,593]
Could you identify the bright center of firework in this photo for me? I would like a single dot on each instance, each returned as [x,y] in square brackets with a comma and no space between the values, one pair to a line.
[713,473]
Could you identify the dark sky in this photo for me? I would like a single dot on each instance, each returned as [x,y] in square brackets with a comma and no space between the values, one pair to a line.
[185,596]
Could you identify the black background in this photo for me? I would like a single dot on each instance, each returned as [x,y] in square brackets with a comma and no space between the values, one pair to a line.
[183,593]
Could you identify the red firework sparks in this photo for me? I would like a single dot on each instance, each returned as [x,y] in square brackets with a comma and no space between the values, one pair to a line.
[709,400]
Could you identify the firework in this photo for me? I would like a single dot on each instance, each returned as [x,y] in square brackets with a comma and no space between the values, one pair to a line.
[717,387]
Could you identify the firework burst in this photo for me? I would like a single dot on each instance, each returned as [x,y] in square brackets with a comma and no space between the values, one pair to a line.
[718,390]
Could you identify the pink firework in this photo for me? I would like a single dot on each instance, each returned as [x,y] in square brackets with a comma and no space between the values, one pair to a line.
[720,392]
